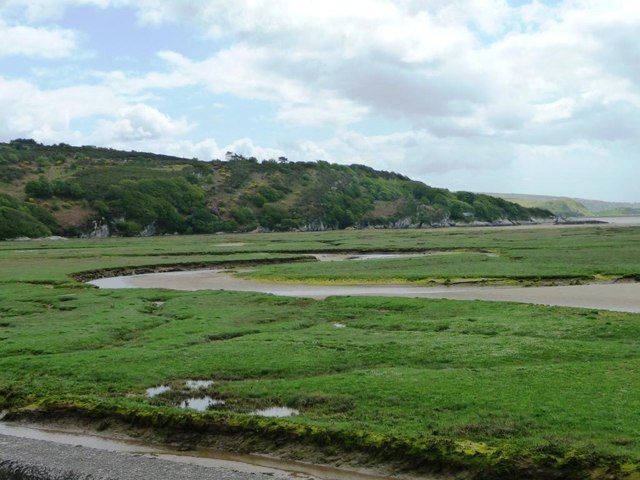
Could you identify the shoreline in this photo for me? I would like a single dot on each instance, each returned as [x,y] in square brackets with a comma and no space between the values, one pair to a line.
[622,221]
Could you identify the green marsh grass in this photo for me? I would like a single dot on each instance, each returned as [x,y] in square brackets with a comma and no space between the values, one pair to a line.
[536,384]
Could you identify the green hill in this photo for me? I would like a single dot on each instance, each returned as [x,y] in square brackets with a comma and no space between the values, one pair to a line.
[87,190]
[611,209]
[560,206]
[572,207]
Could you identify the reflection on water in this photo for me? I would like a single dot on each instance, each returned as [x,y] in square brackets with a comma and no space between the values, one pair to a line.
[66,438]
[155,391]
[277,412]
[200,404]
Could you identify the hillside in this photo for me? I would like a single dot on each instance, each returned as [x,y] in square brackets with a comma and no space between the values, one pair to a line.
[92,191]
[611,209]
[572,207]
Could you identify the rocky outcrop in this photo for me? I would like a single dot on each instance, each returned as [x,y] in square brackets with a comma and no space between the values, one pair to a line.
[149,231]
[99,229]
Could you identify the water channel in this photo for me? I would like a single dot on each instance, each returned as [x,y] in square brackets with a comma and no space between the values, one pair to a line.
[624,297]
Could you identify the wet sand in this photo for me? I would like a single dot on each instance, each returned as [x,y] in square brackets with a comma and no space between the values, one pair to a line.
[624,297]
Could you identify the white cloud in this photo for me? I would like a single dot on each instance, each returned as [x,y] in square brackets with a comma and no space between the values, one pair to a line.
[352,27]
[47,114]
[334,63]
[417,154]
[302,55]
[248,148]
[324,110]
[48,43]
[558,70]
[139,123]
[477,83]
[125,83]
[35,11]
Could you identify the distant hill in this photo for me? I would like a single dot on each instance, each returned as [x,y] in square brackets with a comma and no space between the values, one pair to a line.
[573,207]
[92,191]
[611,209]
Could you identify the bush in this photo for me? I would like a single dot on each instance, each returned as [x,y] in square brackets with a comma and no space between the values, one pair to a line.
[40,188]
[243,215]
[67,189]
[200,220]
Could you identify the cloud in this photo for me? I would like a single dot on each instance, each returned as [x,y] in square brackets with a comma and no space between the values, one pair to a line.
[35,11]
[417,154]
[139,122]
[248,148]
[248,72]
[304,56]
[325,109]
[50,115]
[125,83]
[47,115]
[415,94]
[565,69]
[454,68]
[354,27]
[49,43]
[207,149]
[462,85]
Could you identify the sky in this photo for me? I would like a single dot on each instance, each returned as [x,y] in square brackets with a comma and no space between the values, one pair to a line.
[512,96]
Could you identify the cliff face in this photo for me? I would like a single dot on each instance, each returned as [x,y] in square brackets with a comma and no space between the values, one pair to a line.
[93,191]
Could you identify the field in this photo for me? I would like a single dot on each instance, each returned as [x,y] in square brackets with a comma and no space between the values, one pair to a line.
[479,389]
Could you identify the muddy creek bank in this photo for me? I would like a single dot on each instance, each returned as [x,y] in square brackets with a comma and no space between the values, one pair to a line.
[35,453]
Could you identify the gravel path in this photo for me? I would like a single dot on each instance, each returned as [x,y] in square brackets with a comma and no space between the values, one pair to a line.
[27,459]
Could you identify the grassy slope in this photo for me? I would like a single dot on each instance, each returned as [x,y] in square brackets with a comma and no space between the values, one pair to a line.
[131,191]
[554,385]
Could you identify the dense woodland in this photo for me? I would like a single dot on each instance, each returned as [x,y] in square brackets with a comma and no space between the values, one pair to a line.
[75,191]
